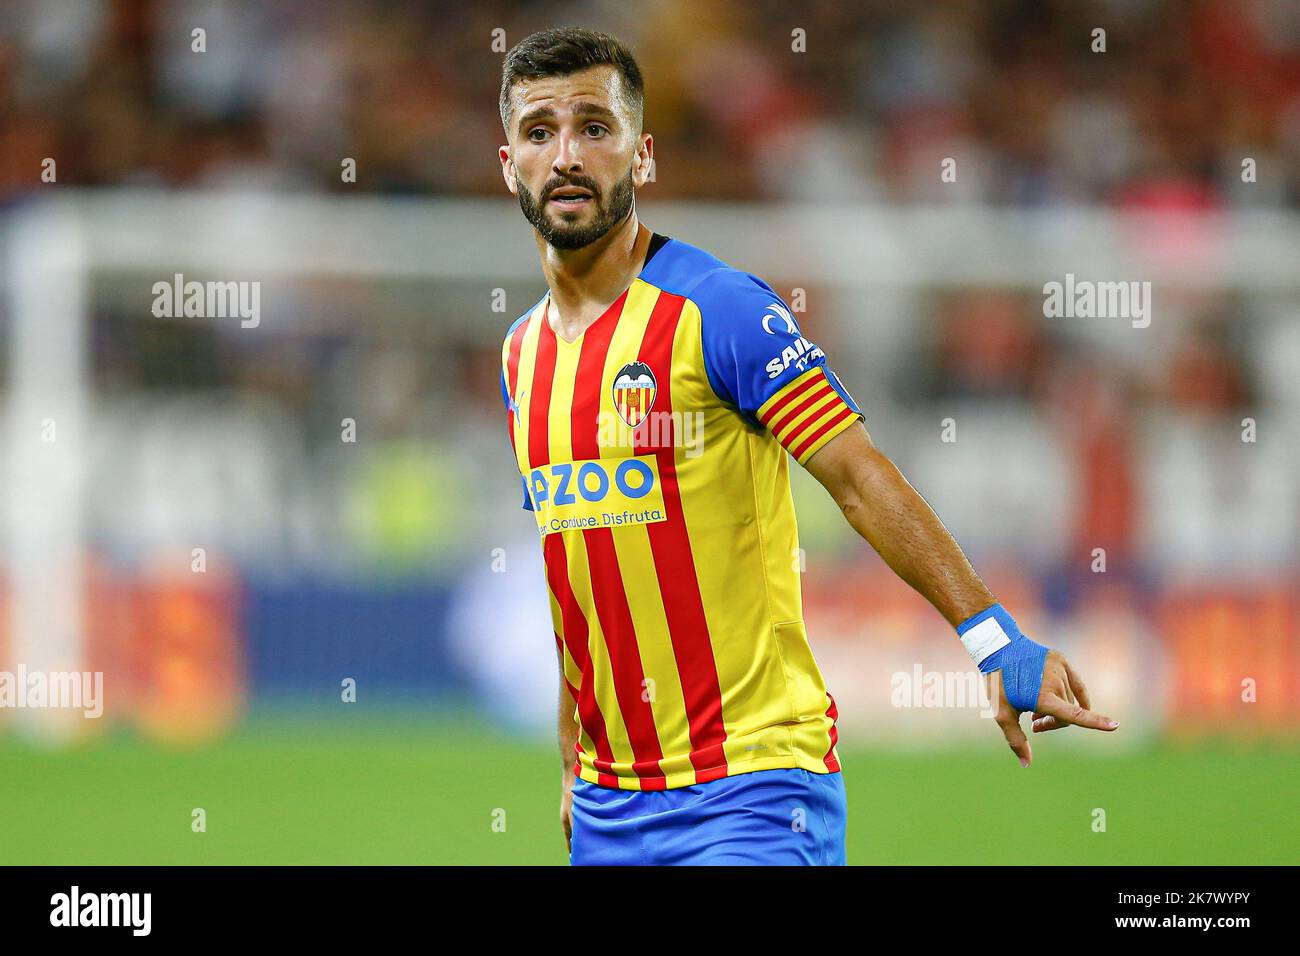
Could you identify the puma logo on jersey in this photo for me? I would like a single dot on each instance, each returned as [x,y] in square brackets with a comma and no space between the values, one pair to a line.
[513,405]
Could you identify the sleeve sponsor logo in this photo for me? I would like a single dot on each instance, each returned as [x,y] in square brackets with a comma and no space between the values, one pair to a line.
[800,353]
[781,316]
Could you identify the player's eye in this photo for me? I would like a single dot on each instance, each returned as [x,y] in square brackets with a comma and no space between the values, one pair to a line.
[538,133]
[599,130]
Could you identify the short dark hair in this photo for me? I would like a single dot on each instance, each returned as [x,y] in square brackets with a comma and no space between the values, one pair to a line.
[566,50]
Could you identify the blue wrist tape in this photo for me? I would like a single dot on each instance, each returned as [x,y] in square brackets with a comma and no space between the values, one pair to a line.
[994,642]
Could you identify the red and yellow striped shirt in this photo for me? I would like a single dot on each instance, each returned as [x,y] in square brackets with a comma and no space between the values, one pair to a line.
[654,455]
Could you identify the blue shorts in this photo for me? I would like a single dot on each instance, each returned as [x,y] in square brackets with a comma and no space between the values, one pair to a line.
[764,818]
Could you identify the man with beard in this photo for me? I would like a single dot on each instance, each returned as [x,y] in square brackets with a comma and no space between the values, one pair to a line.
[695,726]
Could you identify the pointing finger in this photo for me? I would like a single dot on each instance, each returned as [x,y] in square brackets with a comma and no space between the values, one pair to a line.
[1076,714]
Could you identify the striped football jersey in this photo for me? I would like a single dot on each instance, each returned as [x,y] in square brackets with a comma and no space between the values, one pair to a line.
[653,451]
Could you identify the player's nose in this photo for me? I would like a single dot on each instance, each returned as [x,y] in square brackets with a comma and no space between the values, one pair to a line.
[568,158]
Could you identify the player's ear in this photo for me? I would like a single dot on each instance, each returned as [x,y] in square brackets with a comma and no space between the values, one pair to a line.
[644,165]
[508,169]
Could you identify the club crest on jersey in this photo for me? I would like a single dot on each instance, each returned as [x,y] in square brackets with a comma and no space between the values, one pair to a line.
[634,392]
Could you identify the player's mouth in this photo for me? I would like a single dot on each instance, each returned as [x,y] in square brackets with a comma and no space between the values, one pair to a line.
[570,197]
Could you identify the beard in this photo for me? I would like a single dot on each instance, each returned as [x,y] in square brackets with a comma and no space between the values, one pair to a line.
[563,235]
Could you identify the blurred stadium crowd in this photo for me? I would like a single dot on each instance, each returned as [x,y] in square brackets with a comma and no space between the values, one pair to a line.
[1136,450]
[1183,91]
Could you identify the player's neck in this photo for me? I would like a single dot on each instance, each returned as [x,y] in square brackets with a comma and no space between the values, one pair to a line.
[585,282]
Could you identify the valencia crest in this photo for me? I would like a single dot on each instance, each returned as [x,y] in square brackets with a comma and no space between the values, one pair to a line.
[634,392]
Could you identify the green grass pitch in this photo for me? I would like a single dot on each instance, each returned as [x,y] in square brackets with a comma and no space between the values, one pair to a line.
[420,791]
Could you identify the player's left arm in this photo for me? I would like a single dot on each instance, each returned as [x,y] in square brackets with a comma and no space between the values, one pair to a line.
[760,363]
[888,512]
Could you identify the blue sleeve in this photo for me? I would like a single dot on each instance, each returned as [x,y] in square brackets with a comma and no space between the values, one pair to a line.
[759,362]
[510,410]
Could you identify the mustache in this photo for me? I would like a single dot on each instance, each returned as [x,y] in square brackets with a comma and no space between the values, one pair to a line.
[582,182]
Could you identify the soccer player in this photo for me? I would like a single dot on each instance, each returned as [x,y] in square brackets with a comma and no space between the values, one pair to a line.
[654,397]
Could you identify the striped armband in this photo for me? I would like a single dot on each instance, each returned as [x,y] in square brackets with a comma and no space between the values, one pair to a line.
[994,642]
[806,414]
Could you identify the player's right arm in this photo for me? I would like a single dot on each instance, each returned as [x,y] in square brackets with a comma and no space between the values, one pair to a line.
[566,725]
[568,735]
